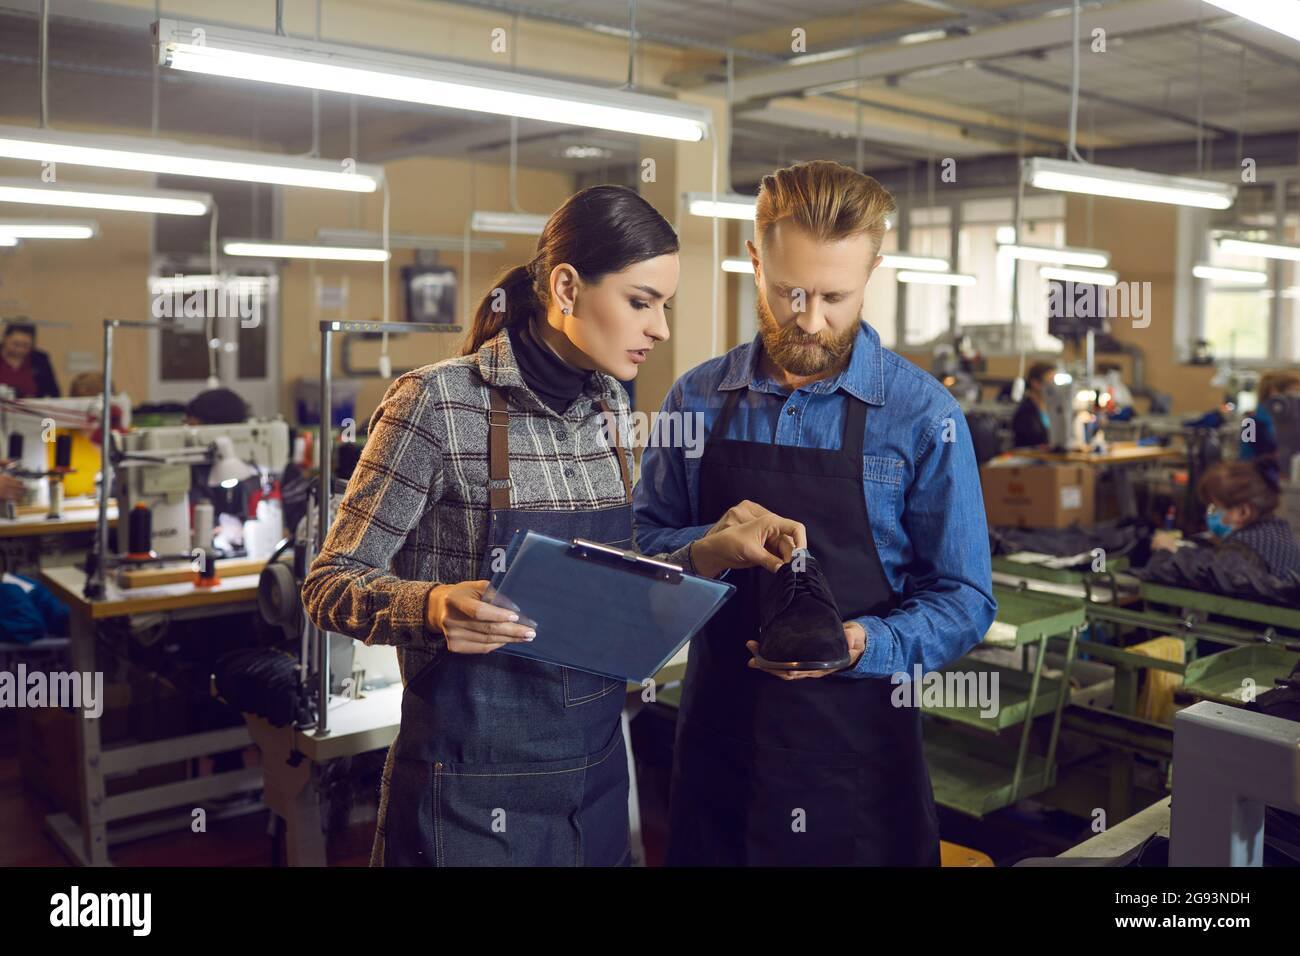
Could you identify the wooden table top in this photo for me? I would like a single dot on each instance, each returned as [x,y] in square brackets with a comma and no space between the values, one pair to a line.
[67,584]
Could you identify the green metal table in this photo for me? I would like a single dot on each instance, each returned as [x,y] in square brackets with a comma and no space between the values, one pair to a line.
[972,769]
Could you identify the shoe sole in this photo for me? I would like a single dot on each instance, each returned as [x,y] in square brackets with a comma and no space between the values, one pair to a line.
[801,665]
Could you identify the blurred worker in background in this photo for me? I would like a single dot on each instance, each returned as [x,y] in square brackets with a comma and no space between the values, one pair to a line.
[23,367]
[216,406]
[1029,425]
[1275,384]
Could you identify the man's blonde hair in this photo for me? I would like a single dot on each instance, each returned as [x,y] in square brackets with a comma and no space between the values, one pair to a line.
[828,199]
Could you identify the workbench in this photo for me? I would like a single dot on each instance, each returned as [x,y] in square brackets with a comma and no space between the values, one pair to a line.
[88,842]
[1120,456]
[975,773]
[22,539]
[293,758]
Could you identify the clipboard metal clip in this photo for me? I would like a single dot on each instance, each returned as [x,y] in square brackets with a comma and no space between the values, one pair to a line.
[628,560]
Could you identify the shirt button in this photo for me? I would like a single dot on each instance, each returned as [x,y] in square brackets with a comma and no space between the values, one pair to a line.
[791,411]
[568,473]
[561,435]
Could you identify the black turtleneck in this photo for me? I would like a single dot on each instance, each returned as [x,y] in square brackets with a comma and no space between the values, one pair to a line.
[553,380]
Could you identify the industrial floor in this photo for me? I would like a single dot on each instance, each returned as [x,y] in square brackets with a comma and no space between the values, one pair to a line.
[244,840]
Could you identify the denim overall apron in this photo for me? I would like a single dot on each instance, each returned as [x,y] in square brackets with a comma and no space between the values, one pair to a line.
[812,772]
[505,761]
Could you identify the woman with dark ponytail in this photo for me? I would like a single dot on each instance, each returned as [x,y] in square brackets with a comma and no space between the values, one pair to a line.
[501,759]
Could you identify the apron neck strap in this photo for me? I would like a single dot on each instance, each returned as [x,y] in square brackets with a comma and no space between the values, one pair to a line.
[719,429]
[499,450]
[855,423]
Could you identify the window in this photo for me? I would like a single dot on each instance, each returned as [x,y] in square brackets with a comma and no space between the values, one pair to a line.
[880,304]
[987,224]
[1237,316]
[1245,322]
[928,311]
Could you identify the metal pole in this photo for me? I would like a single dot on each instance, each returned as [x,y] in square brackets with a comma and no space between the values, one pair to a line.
[327,328]
[323,518]
[95,583]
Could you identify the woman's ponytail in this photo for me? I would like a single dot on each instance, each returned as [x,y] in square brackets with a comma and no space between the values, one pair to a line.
[598,230]
[512,300]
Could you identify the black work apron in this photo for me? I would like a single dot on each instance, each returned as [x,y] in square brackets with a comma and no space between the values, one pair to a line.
[503,760]
[818,771]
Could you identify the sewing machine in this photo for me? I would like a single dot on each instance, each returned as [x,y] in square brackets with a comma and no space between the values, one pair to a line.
[28,429]
[155,469]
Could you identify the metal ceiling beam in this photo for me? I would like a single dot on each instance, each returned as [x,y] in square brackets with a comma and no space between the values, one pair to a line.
[1015,75]
[873,131]
[689,79]
[992,43]
[1002,134]
[617,28]
[1264,53]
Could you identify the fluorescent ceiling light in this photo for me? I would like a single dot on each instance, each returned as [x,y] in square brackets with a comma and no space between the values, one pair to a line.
[1074,177]
[1280,15]
[289,250]
[903,260]
[936,278]
[49,228]
[1232,276]
[165,285]
[922,36]
[244,55]
[516,223]
[728,206]
[891,261]
[400,240]
[121,198]
[183,159]
[7,241]
[1085,276]
[1264,250]
[1064,256]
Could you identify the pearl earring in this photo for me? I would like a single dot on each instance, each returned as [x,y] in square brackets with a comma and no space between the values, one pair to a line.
[565,310]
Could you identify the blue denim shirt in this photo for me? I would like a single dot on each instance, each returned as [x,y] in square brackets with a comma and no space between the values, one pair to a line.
[919,478]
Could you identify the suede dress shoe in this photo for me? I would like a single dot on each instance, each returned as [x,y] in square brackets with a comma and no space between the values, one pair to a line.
[799,625]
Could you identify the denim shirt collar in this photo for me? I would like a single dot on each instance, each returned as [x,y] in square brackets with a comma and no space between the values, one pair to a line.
[863,377]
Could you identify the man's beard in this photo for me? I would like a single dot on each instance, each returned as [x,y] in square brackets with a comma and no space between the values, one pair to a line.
[799,353]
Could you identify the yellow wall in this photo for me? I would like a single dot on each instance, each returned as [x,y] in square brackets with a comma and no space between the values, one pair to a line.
[436,196]
[81,282]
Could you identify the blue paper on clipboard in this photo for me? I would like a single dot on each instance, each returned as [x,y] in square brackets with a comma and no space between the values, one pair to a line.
[601,609]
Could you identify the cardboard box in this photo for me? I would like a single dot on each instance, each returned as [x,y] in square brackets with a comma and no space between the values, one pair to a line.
[1038,495]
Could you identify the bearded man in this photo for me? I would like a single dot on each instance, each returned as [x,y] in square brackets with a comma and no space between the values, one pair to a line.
[776,763]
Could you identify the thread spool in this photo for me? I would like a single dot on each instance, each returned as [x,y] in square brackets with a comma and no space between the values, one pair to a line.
[140,533]
[56,497]
[207,576]
[204,521]
[62,452]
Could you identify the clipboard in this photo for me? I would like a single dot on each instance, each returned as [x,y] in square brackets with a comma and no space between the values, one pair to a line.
[601,609]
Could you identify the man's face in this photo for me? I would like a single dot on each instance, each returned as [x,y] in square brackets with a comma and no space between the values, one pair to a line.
[16,347]
[810,296]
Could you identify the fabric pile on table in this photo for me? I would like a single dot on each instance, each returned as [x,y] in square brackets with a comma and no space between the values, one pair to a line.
[1231,572]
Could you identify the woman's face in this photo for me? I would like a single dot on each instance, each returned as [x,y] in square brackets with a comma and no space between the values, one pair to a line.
[613,324]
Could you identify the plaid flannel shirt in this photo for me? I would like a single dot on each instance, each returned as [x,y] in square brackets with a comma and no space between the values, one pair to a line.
[415,512]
